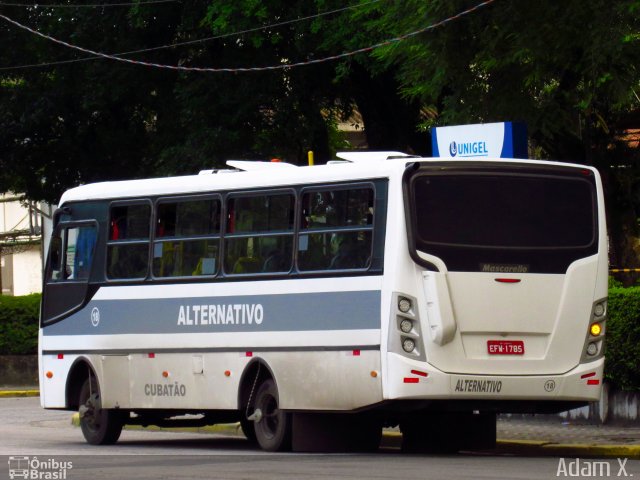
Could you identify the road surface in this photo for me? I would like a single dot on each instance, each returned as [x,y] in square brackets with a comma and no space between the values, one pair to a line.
[26,430]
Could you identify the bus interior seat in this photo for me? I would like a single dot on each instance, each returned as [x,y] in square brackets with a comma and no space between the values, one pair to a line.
[247,265]
[276,262]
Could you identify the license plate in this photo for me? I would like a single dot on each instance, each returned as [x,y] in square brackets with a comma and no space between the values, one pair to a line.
[505,347]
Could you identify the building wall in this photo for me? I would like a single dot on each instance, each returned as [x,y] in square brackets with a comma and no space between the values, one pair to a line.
[21,271]
[12,214]
[27,272]
[6,269]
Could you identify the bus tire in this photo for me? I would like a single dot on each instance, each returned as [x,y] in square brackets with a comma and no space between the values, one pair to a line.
[273,430]
[99,426]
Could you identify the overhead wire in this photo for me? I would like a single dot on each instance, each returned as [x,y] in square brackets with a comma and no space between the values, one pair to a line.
[200,40]
[94,5]
[281,66]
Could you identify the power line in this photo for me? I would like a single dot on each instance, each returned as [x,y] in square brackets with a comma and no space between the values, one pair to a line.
[201,40]
[281,66]
[97,5]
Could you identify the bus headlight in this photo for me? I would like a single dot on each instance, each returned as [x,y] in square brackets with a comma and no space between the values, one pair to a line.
[592,349]
[408,345]
[599,309]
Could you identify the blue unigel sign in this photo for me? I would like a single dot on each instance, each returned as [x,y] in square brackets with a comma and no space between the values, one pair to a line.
[490,140]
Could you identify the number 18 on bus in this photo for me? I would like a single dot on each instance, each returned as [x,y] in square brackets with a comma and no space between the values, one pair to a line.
[318,305]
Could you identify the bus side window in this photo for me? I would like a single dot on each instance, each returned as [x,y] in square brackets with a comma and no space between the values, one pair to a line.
[85,241]
[187,237]
[71,253]
[259,237]
[128,246]
[337,227]
[55,258]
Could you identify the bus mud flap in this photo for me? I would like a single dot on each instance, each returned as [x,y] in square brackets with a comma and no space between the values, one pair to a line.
[448,432]
[335,432]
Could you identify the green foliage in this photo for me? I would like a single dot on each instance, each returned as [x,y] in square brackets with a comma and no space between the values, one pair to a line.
[95,120]
[569,70]
[614,283]
[64,125]
[622,364]
[19,324]
[566,69]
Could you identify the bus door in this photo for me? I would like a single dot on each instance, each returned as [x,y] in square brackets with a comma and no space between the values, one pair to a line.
[68,268]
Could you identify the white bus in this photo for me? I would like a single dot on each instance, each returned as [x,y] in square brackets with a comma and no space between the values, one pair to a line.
[316,305]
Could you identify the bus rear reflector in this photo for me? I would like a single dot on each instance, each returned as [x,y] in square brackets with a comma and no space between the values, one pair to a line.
[593,382]
[356,353]
[508,280]
[587,375]
[152,355]
[248,354]
[411,380]
[419,373]
[60,356]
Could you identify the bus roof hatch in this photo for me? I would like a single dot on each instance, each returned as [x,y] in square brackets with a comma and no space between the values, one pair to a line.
[357,157]
[249,165]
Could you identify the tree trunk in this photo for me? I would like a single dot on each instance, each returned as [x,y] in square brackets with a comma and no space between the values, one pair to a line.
[390,121]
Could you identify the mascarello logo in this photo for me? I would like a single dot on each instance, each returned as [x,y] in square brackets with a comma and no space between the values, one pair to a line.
[453,149]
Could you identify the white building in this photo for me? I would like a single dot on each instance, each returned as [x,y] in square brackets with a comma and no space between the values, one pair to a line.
[21,249]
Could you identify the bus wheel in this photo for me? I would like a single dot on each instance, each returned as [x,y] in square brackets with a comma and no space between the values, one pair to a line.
[99,426]
[272,426]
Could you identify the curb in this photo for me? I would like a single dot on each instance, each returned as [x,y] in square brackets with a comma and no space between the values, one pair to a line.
[547,448]
[393,439]
[568,449]
[19,393]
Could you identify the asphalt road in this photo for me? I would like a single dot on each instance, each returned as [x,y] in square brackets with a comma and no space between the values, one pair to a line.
[26,430]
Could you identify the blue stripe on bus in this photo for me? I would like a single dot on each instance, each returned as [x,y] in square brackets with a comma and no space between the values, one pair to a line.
[357,310]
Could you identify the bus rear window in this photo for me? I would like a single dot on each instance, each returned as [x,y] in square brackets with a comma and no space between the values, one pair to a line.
[541,221]
[504,211]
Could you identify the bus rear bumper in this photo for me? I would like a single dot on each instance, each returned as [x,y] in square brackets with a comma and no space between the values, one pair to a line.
[411,380]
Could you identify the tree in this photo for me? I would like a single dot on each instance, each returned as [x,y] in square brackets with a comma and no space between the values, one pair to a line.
[569,70]
[75,123]
[66,124]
